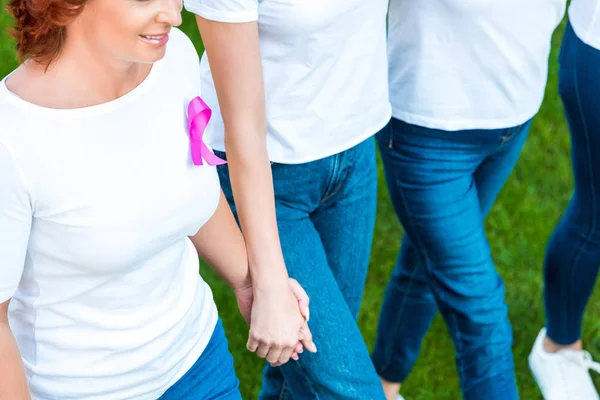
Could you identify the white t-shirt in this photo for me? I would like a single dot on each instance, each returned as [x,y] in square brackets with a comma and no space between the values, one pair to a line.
[324,66]
[584,16]
[96,206]
[469,64]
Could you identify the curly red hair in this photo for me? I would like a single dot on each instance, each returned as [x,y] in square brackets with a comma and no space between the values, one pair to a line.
[40,26]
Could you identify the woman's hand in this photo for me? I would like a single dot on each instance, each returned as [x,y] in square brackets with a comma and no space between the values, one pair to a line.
[276,338]
[306,339]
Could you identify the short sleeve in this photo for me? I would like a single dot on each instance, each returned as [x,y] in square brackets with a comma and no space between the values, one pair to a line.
[234,11]
[15,225]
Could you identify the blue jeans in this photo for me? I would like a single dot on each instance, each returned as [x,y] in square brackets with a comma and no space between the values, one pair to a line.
[212,377]
[442,185]
[573,253]
[326,216]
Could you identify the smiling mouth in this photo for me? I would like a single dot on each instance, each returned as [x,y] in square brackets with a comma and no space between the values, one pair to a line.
[155,39]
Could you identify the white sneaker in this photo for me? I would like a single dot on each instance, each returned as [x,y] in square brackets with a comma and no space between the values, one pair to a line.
[400,397]
[563,375]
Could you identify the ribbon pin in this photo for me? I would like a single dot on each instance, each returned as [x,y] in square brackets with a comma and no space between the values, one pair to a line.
[199,114]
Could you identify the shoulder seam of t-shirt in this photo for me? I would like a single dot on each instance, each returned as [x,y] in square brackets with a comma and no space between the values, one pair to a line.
[221,15]
[22,177]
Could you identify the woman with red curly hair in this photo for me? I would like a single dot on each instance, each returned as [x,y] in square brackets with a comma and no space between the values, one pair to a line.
[103,213]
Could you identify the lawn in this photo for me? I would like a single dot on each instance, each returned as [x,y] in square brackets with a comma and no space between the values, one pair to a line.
[518,228]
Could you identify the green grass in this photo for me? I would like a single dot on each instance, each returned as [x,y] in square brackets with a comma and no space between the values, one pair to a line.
[518,228]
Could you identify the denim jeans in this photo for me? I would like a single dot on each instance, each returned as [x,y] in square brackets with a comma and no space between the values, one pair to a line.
[573,253]
[212,377]
[326,216]
[442,185]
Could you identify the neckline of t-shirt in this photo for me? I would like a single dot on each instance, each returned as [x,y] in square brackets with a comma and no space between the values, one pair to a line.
[96,109]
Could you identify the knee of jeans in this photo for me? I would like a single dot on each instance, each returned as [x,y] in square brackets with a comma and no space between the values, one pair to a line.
[485,344]
[481,325]
[489,356]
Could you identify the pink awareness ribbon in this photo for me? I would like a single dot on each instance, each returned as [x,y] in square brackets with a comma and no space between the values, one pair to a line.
[199,114]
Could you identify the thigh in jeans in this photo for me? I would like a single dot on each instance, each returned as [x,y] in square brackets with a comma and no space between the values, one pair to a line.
[433,173]
[491,176]
[341,369]
[345,221]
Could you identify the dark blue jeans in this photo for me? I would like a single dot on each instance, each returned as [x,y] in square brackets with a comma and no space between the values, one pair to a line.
[573,253]
[442,185]
[212,377]
[326,217]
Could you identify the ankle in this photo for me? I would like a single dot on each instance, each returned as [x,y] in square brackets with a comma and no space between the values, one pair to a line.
[390,389]
[551,346]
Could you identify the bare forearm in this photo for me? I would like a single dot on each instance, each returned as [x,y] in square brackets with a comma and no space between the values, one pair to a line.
[234,54]
[252,185]
[221,244]
[13,385]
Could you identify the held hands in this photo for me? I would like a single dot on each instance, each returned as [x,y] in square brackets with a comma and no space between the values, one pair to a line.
[278,318]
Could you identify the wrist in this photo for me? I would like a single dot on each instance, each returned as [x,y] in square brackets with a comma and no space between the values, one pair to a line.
[269,277]
[272,286]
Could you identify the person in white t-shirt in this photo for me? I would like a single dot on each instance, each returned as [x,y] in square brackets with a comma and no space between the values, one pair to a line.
[302,84]
[466,78]
[557,360]
[107,197]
